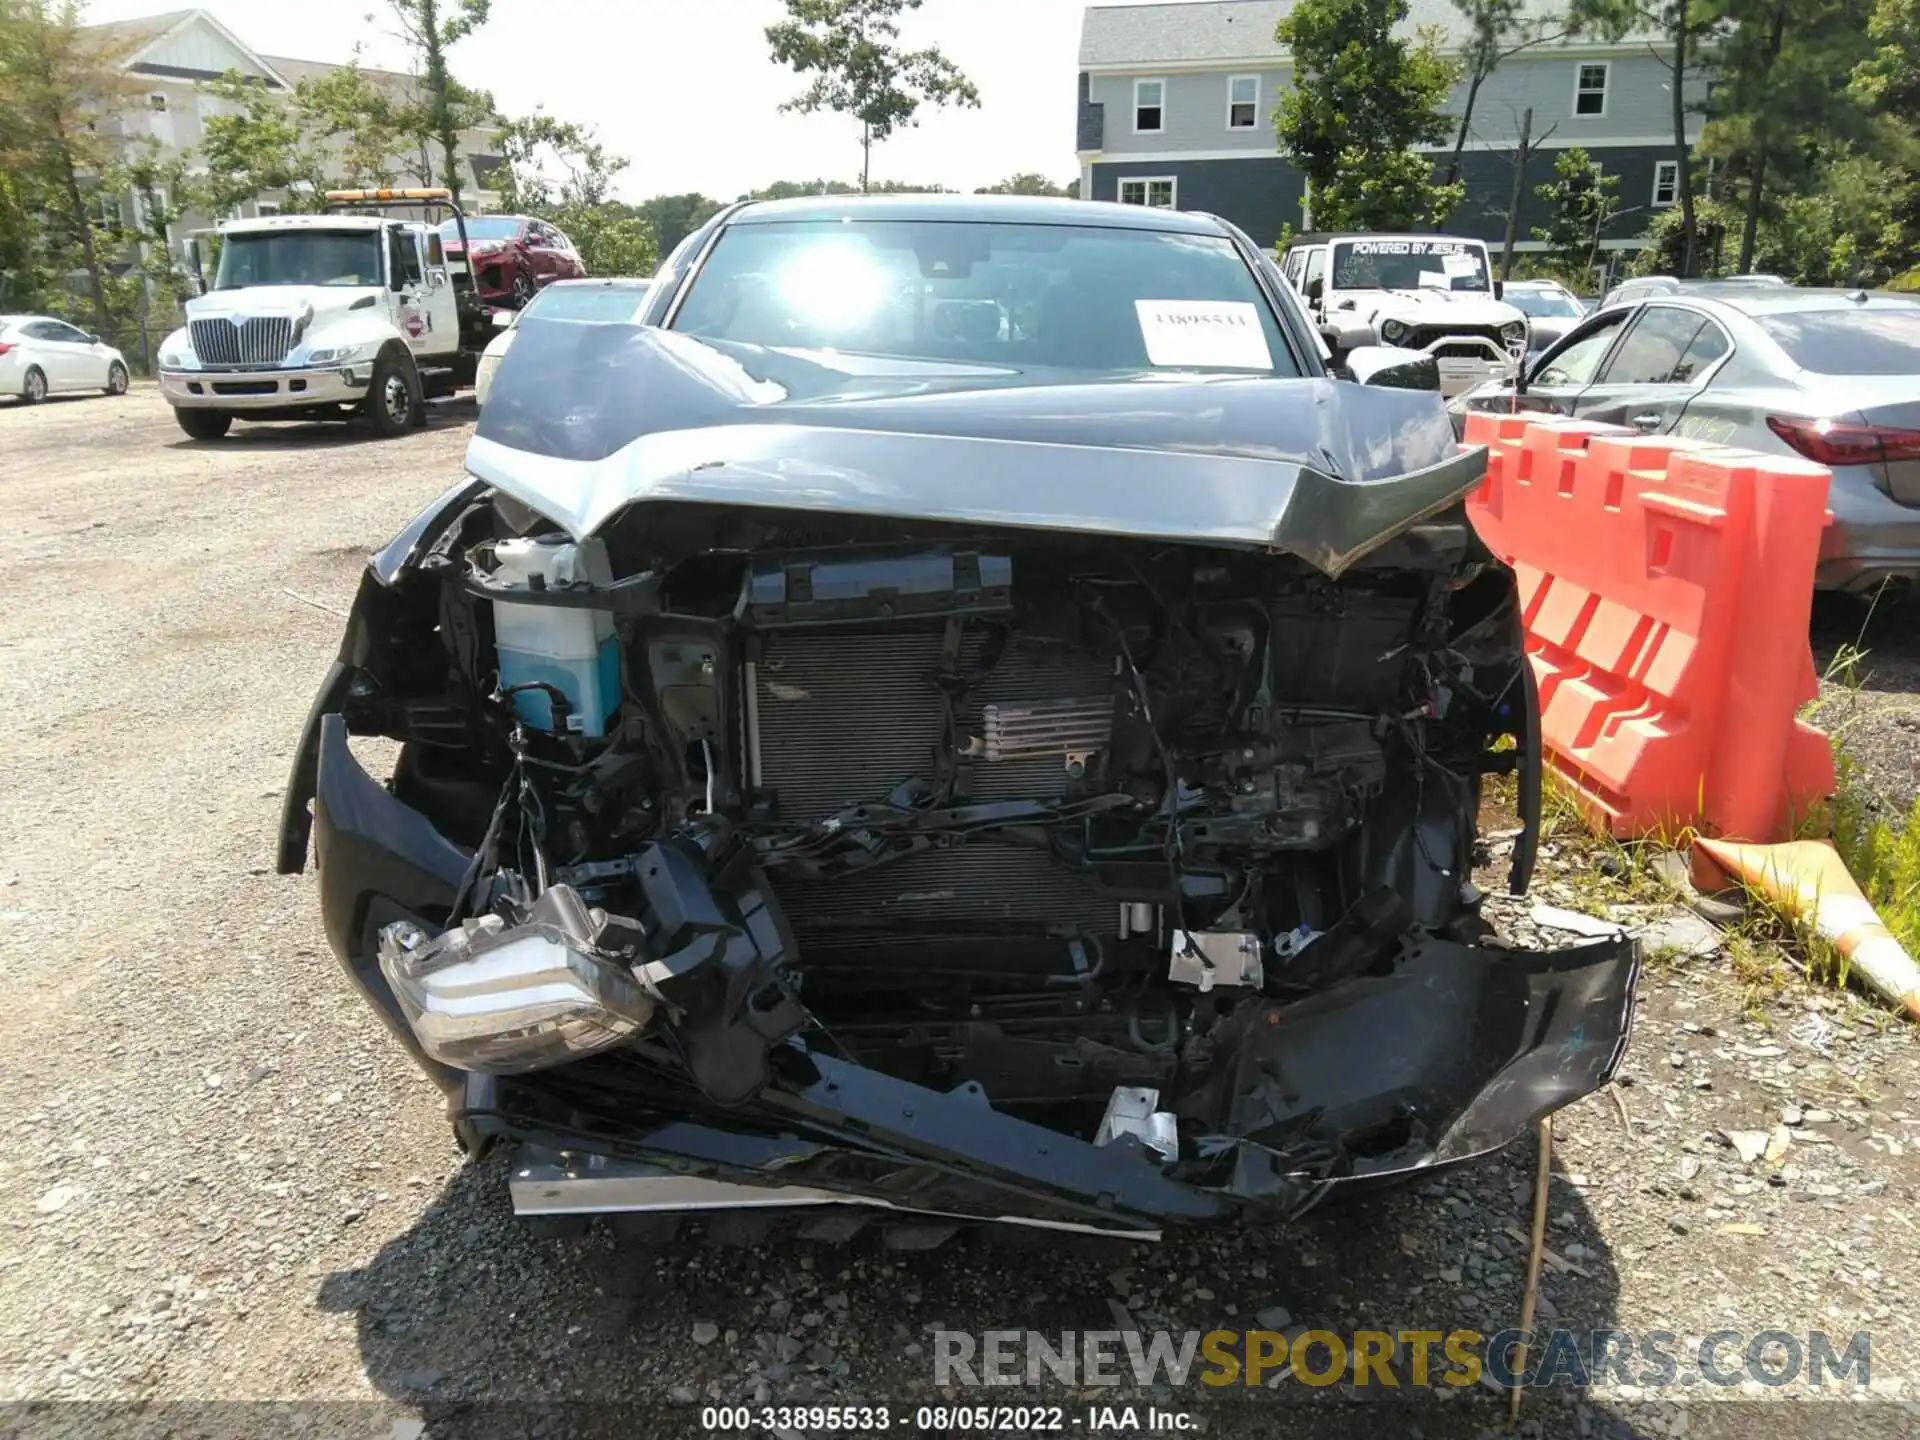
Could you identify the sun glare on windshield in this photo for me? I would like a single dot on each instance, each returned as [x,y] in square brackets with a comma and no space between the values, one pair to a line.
[834,285]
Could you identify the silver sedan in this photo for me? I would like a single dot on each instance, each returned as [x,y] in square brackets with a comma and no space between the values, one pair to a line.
[1830,375]
[1551,309]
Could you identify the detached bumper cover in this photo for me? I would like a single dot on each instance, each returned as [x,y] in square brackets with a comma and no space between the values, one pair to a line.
[1455,1054]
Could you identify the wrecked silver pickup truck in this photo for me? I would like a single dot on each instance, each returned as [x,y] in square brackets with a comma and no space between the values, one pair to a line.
[959,713]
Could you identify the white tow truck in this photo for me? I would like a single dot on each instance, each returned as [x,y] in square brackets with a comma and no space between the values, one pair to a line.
[356,314]
[1431,293]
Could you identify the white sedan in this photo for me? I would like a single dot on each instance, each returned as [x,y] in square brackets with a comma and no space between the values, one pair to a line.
[42,356]
[612,300]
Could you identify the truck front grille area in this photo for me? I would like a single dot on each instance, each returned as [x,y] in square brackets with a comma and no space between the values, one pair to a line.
[257,340]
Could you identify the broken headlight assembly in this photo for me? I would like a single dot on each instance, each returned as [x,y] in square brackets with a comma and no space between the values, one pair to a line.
[501,998]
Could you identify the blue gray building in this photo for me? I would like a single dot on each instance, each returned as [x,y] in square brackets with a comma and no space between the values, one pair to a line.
[1177,101]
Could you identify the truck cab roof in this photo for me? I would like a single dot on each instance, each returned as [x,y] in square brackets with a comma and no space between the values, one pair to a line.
[262,223]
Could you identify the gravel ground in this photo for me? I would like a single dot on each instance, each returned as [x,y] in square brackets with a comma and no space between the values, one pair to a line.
[1869,660]
[225,1183]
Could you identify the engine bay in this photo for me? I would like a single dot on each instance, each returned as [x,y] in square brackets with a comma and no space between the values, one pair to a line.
[1041,814]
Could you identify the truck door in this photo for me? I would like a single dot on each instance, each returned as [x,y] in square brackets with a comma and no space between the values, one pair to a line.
[442,305]
[407,280]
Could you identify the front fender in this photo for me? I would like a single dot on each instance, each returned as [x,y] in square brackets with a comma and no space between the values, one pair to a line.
[371,328]
[180,343]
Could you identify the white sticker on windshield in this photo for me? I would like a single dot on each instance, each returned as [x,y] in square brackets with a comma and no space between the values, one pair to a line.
[1433,280]
[1222,333]
[1460,264]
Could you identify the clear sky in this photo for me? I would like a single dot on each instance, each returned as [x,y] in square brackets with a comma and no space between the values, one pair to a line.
[684,88]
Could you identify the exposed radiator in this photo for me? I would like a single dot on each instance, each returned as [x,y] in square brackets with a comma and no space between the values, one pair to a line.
[843,716]
[982,884]
[258,340]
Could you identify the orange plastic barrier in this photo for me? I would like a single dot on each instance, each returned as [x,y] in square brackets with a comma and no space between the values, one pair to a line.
[1666,587]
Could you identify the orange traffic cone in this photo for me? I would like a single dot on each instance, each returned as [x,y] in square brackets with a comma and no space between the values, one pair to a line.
[1808,881]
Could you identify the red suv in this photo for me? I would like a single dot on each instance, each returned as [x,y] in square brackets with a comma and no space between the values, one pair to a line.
[513,256]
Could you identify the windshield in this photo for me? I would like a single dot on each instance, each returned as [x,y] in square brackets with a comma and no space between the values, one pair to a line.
[1058,296]
[1849,342]
[604,304]
[1548,304]
[299,257]
[481,227]
[1409,265]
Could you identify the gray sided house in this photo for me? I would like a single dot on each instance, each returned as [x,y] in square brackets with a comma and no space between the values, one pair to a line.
[1177,101]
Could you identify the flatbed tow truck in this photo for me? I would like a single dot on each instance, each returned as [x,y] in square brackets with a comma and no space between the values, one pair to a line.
[356,314]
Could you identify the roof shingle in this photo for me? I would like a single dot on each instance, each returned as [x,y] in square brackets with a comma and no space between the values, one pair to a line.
[1228,30]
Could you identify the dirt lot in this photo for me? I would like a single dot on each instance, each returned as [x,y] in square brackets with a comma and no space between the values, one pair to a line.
[223,1182]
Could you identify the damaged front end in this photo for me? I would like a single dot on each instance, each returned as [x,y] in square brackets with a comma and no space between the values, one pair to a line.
[742,855]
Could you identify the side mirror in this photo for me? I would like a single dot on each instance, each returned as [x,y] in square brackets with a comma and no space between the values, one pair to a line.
[1393,368]
[1499,289]
[1314,287]
[95,340]
[190,249]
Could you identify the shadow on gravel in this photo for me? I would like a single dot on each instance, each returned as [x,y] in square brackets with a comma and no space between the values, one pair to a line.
[281,437]
[471,1308]
[1886,626]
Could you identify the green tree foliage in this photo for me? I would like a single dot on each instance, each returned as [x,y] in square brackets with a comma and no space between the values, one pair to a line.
[56,79]
[259,146]
[442,107]
[851,50]
[1580,201]
[337,129]
[1029,183]
[674,217]
[1362,100]
[1777,113]
[164,189]
[1887,84]
[557,169]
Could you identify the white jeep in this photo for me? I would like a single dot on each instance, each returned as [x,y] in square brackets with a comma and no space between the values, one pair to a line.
[325,317]
[1431,293]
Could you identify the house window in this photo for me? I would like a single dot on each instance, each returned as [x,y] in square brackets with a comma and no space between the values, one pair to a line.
[1243,102]
[1590,90]
[1666,183]
[1149,106]
[1156,194]
[157,103]
[266,207]
[107,211]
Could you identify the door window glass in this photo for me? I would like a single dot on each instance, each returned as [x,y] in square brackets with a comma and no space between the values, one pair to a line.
[1651,352]
[1577,362]
[1702,355]
[406,259]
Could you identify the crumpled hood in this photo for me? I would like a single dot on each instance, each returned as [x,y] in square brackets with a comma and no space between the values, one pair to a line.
[585,421]
[1435,307]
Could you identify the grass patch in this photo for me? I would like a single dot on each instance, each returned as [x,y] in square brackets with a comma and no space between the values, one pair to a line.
[1883,859]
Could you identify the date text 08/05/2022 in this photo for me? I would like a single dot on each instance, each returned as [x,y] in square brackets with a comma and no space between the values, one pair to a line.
[943,1419]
